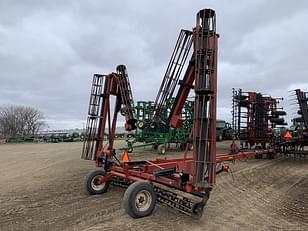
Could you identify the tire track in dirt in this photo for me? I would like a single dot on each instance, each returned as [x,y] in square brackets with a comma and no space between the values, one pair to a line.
[261,190]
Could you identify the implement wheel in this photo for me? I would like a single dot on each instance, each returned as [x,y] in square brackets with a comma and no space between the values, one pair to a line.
[139,199]
[155,146]
[197,210]
[161,149]
[91,182]
[220,137]
[183,146]
[141,124]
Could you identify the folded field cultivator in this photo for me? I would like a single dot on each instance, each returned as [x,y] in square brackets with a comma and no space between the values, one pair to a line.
[299,138]
[254,116]
[155,135]
[101,124]
[302,101]
[182,183]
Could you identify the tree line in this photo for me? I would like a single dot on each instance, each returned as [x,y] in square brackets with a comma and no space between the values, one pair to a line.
[20,121]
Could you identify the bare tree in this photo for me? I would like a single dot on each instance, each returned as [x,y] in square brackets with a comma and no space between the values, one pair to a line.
[20,121]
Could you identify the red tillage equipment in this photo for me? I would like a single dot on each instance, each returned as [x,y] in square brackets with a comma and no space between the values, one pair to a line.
[254,117]
[182,183]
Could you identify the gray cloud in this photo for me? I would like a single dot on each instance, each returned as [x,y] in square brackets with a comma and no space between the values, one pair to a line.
[50,49]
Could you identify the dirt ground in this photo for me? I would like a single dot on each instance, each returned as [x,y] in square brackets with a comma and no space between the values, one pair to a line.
[41,188]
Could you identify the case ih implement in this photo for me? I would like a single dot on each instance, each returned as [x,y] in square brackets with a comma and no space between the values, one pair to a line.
[254,116]
[182,183]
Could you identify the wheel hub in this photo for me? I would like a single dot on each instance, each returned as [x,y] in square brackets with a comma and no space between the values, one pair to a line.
[95,183]
[143,200]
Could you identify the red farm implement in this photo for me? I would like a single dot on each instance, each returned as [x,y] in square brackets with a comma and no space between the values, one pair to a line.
[254,117]
[182,183]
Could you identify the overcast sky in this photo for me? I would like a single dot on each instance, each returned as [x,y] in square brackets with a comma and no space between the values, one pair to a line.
[49,50]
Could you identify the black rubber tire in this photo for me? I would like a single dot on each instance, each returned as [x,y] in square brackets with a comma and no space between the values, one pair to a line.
[219,137]
[89,179]
[243,103]
[298,119]
[281,123]
[183,146]
[161,149]
[129,199]
[129,135]
[122,112]
[153,125]
[279,113]
[240,97]
[270,156]
[155,146]
[141,124]
[197,210]
[277,120]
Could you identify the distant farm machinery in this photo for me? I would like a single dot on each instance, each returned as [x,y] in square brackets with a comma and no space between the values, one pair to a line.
[254,116]
[47,137]
[160,137]
[298,139]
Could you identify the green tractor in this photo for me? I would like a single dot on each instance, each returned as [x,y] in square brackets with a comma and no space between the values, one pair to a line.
[223,130]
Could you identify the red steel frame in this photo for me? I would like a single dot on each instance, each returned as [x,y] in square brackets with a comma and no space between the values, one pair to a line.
[115,84]
[202,167]
[270,105]
[197,174]
[146,169]
[250,117]
[204,126]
